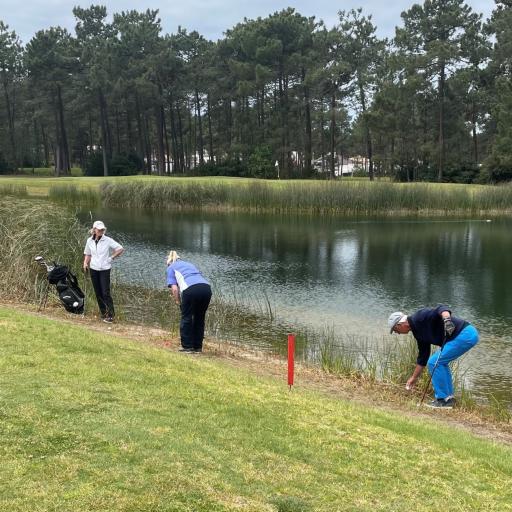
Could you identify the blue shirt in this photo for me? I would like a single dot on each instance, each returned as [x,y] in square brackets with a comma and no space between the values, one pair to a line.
[184,274]
[427,326]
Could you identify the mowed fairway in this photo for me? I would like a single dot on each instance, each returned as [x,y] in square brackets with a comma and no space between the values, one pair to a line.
[92,422]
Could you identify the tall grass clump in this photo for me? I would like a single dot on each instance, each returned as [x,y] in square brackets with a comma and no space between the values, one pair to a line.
[29,228]
[71,195]
[322,197]
[10,189]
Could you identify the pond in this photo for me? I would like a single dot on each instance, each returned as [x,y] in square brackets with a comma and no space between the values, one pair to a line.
[348,275]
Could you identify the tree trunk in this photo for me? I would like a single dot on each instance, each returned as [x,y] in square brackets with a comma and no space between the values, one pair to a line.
[369,149]
[167,148]
[210,134]
[66,167]
[308,153]
[104,142]
[174,137]
[10,121]
[160,139]
[181,138]
[141,146]
[46,147]
[475,136]
[441,123]
[200,128]
[333,130]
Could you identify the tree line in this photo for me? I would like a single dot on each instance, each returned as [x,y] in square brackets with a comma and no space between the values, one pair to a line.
[282,95]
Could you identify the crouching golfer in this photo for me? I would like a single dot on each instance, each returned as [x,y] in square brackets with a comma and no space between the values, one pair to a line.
[436,326]
[190,290]
[99,253]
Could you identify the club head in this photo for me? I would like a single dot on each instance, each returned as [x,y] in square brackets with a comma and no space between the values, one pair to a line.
[39,259]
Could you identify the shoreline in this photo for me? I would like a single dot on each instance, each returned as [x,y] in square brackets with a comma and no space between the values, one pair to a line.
[378,395]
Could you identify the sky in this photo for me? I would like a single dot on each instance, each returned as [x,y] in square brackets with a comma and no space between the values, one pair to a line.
[211,18]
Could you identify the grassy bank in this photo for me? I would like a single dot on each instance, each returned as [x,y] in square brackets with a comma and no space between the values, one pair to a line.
[93,422]
[348,197]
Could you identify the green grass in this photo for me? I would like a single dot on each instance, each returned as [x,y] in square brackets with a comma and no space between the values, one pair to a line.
[91,422]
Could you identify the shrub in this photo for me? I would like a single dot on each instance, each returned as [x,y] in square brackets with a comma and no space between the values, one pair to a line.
[119,165]
[231,167]
[497,168]
[261,163]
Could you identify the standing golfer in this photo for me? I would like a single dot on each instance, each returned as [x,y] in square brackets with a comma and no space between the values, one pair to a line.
[190,290]
[99,253]
[436,326]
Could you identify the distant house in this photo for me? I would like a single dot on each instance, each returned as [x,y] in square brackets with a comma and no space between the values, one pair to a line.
[343,165]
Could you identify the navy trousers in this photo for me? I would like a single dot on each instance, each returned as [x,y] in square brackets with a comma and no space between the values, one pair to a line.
[101,284]
[194,303]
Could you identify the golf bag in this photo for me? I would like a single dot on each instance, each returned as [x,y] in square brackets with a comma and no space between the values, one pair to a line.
[66,283]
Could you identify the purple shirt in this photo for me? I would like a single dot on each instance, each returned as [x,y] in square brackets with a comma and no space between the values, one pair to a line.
[184,274]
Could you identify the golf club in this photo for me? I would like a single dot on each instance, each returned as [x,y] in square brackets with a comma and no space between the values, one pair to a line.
[432,374]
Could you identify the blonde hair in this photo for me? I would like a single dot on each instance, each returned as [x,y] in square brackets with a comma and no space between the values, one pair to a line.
[173,256]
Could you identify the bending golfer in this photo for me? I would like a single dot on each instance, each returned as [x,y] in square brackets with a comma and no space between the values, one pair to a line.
[436,326]
[99,253]
[192,292]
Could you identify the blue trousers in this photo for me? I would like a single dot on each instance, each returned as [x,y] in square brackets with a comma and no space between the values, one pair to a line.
[442,376]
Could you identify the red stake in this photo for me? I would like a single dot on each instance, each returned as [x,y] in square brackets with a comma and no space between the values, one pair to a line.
[291,359]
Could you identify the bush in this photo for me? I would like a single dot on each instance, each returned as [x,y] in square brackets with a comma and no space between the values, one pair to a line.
[122,165]
[465,173]
[228,168]
[497,169]
[119,165]
[261,163]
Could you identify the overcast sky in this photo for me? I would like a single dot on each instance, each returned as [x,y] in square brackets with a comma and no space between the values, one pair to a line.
[209,17]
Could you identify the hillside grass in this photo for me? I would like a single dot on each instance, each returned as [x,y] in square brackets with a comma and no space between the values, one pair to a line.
[92,422]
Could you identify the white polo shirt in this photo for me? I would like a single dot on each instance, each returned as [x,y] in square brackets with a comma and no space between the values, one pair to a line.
[100,252]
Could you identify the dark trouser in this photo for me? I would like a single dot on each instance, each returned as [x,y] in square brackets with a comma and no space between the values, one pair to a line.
[194,303]
[101,284]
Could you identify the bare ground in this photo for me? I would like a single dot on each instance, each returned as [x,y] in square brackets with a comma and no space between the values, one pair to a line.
[382,396]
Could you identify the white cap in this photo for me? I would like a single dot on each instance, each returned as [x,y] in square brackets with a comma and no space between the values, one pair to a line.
[395,318]
[99,225]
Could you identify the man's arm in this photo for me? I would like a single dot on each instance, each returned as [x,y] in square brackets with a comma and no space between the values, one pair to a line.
[414,377]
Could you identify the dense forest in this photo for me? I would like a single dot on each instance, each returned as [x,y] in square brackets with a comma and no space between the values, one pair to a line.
[282,95]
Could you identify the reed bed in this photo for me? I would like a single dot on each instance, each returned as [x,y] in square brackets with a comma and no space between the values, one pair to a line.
[71,195]
[323,198]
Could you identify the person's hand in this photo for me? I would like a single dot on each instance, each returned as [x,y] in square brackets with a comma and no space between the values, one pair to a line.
[86,267]
[449,327]
[410,383]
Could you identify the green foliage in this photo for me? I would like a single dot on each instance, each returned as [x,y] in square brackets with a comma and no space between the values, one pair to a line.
[234,168]
[498,168]
[261,163]
[433,104]
[119,165]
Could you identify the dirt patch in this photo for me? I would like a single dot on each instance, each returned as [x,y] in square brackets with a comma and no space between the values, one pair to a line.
[383,396]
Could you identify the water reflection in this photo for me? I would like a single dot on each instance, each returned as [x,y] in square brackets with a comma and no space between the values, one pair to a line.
[347,274]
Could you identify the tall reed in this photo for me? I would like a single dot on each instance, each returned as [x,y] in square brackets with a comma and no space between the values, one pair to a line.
[325,197]
[12,189]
